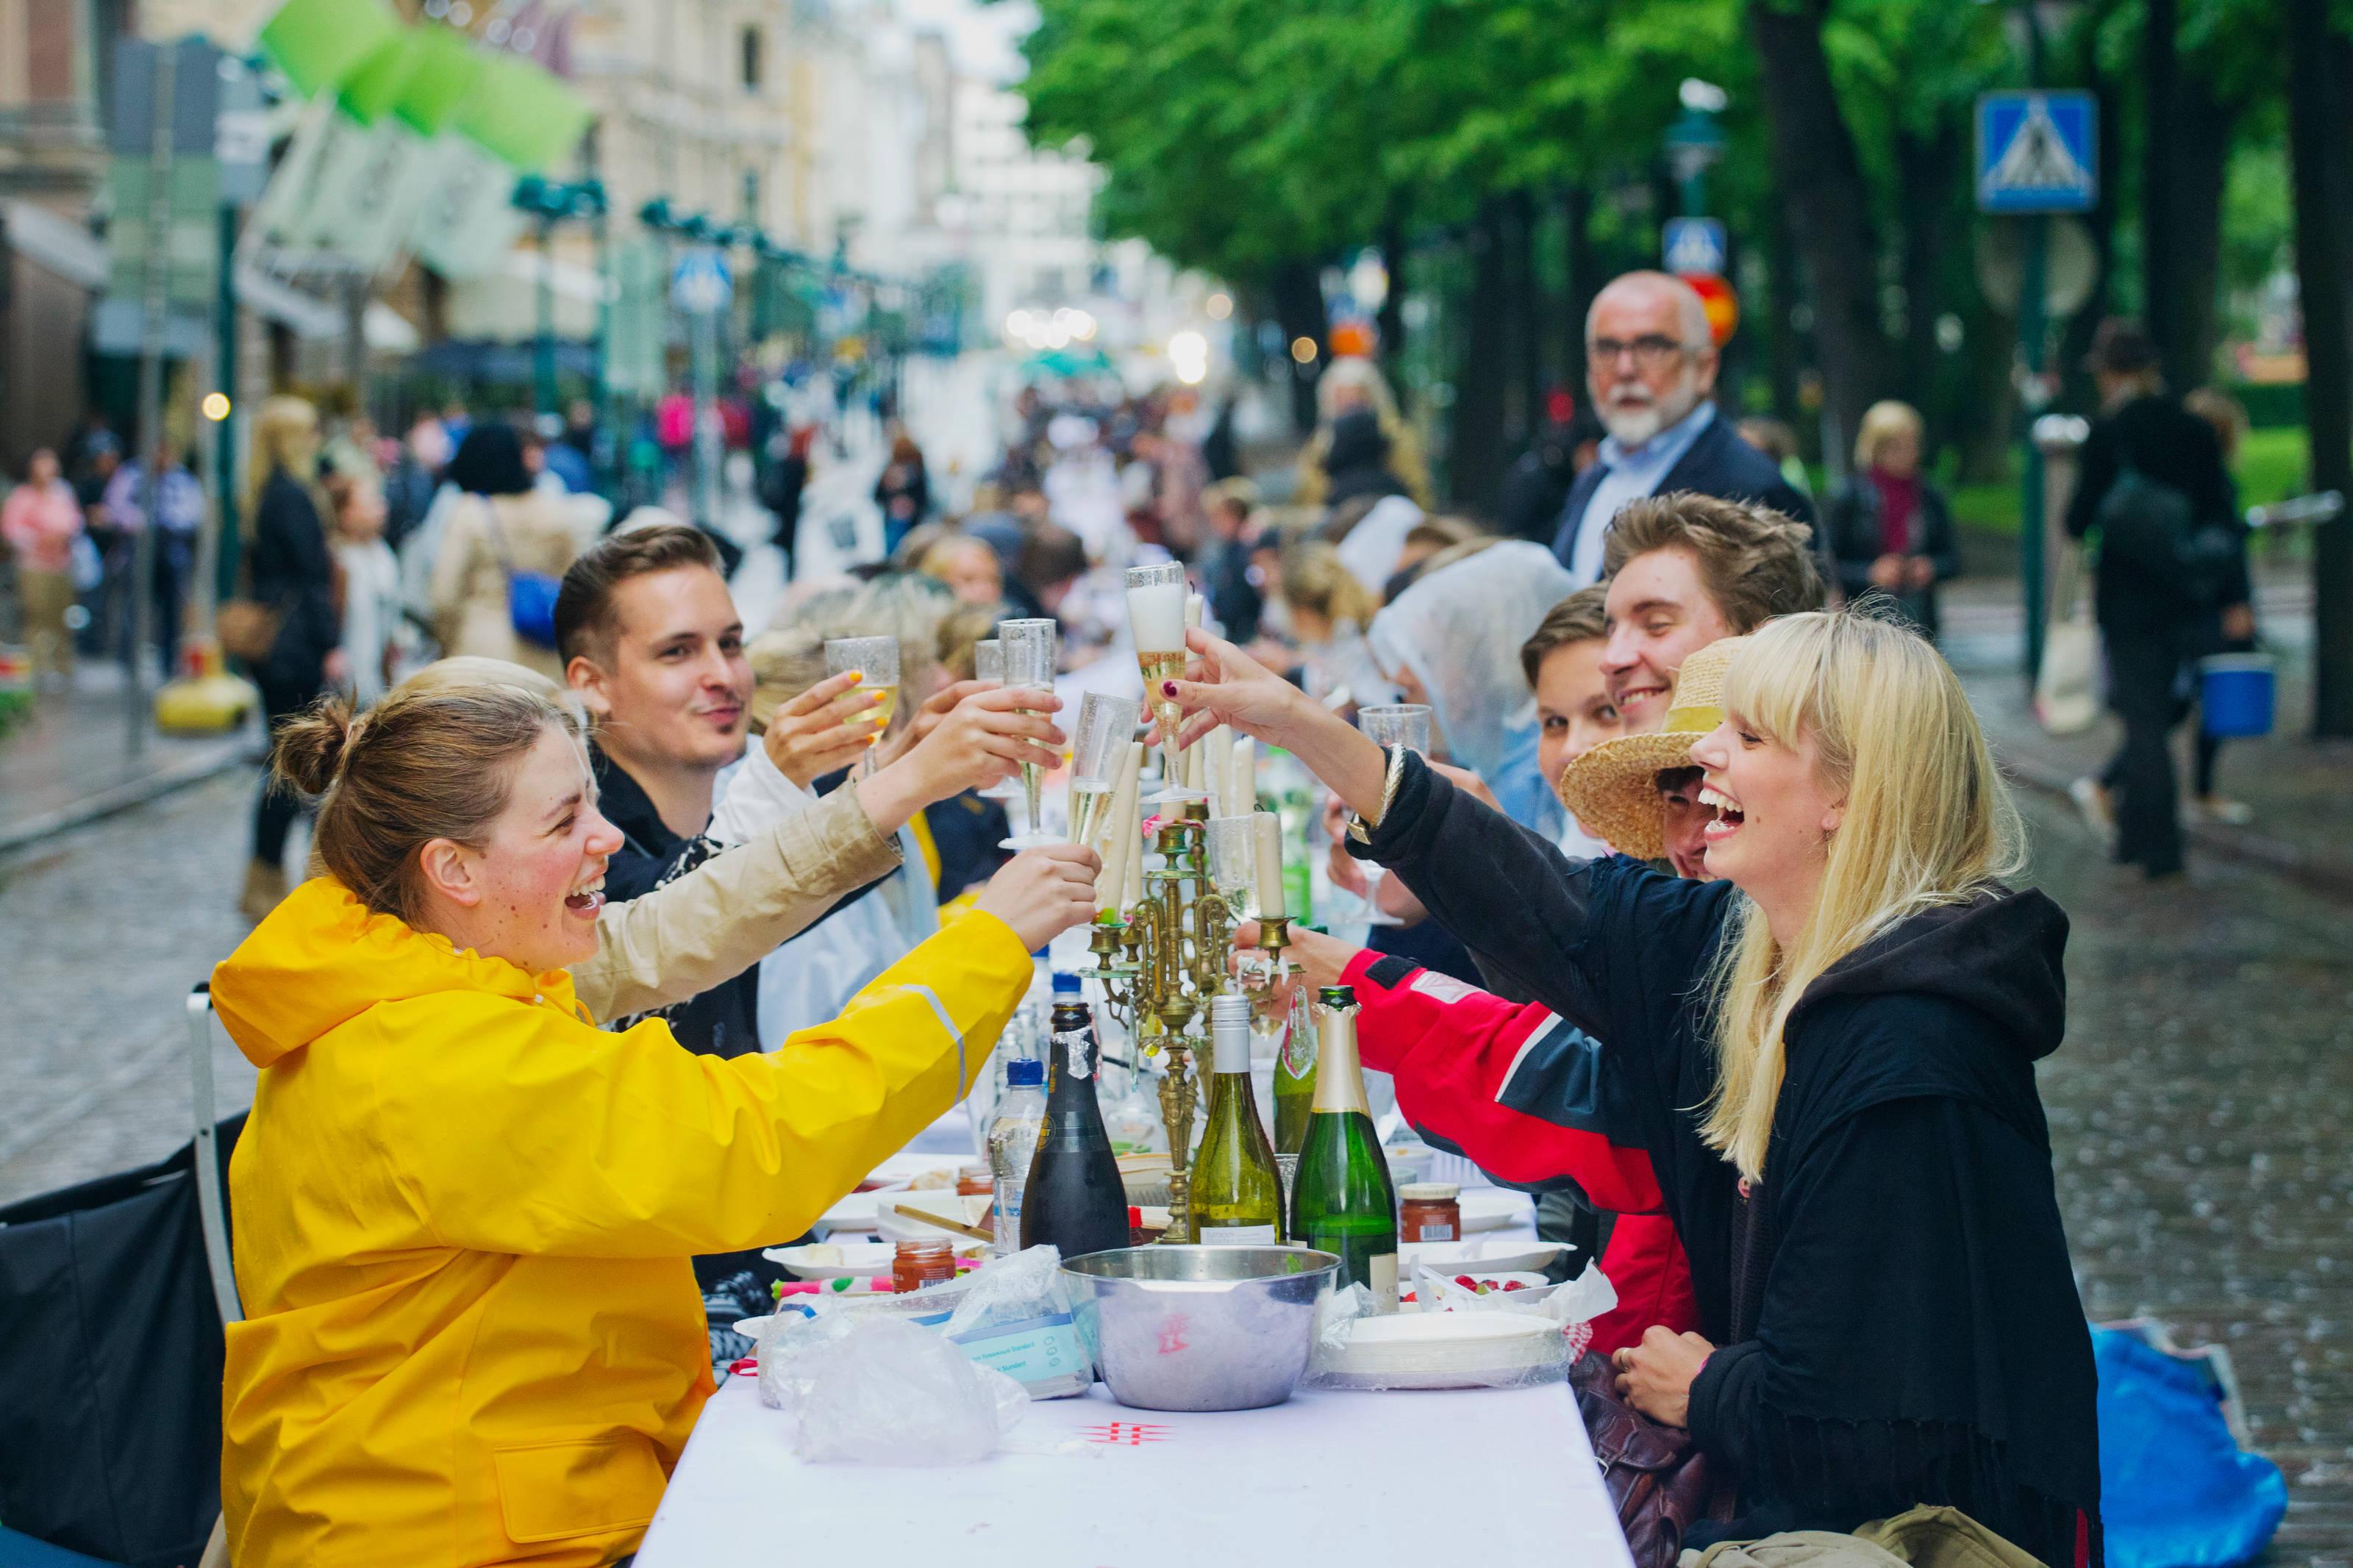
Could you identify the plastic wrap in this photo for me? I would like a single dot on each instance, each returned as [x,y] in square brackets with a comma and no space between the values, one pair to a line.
[1016,1319]
[887,1392]
[1483,1342]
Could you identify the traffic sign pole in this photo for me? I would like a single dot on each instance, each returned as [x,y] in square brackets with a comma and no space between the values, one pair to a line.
[2032,332]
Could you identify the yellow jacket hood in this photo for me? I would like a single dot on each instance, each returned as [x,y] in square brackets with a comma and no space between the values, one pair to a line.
[322,958]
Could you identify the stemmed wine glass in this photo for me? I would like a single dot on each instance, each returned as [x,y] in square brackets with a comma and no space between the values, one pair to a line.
[1028,649]
[876,659]
[1156,614]
[1106,728]
[988,663]
[1403,724]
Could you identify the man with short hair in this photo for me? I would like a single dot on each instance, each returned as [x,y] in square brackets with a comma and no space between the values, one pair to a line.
[1651,364]
[1685,571]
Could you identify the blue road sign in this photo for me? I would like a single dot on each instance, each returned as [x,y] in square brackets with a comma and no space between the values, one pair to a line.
[2038,153]
[1694,245]
[700,285]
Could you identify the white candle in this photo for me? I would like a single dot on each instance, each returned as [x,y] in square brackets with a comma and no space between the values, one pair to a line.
[1156,614]
[1194,604]
[1116,842]
[1245,790]
[1223,802]
[1269,865]
[1131,892]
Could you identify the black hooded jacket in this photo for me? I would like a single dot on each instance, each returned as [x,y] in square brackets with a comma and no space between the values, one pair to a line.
[1894,1314]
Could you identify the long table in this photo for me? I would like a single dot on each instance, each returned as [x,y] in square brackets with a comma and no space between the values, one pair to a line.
[1460,1476]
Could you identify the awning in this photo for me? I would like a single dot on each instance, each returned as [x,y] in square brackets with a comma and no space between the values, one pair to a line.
[58,244]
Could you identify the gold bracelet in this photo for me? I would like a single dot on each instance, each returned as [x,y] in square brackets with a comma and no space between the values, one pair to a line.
[1390,778]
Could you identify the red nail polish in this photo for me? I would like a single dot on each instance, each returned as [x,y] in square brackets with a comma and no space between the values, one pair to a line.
[1168,689]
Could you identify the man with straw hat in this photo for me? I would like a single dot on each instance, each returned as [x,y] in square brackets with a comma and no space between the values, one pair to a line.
[1639,793]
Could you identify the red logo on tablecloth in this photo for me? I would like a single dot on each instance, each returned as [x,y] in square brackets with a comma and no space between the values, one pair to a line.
[1125,1434]
[1172,1336]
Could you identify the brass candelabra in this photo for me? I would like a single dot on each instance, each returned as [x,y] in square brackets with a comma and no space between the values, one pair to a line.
[1160,966]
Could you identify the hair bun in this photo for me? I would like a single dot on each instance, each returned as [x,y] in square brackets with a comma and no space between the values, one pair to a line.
[311,747]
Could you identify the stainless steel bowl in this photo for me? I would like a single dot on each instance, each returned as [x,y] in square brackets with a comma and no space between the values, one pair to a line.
[1199,1327]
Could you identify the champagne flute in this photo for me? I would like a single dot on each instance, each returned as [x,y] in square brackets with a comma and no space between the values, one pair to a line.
[876,660]
[1403,724]
[1156,614]
[1106,727]
[988,663]
[1028,649]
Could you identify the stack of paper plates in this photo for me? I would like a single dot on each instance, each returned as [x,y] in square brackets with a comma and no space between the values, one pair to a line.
[1446,1350]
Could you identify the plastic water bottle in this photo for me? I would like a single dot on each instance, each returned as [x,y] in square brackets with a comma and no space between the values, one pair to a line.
[1013,1142]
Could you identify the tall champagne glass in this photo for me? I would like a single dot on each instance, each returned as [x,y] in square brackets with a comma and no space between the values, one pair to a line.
[1156,614]
[1028,647]
[1403,724]
[876,659]
[1106,726]
[988,663]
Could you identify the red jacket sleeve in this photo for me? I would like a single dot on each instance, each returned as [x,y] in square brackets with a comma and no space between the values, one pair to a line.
[1511,1087]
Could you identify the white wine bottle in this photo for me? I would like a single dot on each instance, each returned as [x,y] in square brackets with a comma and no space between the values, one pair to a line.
[1237,1195]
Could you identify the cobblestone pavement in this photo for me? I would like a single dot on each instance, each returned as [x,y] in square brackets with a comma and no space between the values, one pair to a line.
[2199,1111]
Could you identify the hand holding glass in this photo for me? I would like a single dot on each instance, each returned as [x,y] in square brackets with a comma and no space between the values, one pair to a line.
[988,663]
[876,660]
[1156,614]
[1028,649]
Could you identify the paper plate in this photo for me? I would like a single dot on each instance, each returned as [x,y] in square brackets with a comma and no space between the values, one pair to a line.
[835,1259]
[1443,1349]
[1491,1208]
[1485,1256]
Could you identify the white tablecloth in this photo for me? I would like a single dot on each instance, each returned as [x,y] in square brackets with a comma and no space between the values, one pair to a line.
[1484,1475]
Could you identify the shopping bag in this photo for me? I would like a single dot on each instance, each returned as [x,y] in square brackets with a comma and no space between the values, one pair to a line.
[2067,686]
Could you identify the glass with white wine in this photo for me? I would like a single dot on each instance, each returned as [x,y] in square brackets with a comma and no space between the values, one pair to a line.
[1029,648]
[1156,614]
[876,660]
[1106,728]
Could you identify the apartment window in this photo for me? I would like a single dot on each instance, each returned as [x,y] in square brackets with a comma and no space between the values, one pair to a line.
[751,43]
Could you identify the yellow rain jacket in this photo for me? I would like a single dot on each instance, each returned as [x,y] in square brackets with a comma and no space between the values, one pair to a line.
[463,1215]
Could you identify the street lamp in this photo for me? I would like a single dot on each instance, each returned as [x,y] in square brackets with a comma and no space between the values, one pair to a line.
[550,202]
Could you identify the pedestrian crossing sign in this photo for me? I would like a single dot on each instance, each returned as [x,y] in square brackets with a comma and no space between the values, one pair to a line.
[2037,153]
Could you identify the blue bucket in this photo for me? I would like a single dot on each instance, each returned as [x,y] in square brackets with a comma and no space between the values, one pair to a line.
[2234,694]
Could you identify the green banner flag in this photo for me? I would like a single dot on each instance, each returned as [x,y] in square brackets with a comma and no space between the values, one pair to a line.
[369,93]
[445,68]
[318,43]
[521,113]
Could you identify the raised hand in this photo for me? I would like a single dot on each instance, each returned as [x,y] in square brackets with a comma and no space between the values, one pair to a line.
[1043,892]
[822,731]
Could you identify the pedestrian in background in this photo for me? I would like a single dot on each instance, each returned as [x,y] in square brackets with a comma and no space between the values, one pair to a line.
[504,528]
[1651,364]
[904,491]
[41,520]
[1889,530]
[2231,628]
[181,508]
[2150,616]
[294,576]
[370,575]
[1355,385]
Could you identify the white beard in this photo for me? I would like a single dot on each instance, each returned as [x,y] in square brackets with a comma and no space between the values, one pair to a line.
[1634,424]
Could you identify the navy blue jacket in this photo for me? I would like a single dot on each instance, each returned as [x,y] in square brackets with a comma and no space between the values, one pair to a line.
[1895,1317]
[1719,464]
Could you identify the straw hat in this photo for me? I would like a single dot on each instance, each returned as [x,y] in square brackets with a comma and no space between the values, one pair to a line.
[1613,791]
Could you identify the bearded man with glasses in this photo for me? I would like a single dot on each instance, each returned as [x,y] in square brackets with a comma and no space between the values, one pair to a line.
[1651,365]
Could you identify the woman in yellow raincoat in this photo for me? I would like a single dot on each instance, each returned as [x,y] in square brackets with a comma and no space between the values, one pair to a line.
[463,1213]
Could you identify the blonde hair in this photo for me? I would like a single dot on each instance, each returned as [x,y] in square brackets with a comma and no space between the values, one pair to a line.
[1881,422]
[1926,821]
[1315,579]
[285,437]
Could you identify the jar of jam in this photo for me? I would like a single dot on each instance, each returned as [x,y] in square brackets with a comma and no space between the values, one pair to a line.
[916,1264]
[974,1182]
[1429,1211]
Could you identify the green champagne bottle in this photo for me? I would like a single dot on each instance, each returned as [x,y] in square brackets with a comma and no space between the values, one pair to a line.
[1236,1196]
[1341,1199]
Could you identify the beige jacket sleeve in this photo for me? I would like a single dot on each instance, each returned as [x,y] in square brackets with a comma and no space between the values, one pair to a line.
[733,910]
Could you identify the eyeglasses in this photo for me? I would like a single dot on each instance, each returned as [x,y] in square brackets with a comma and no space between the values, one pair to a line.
[1650,351]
